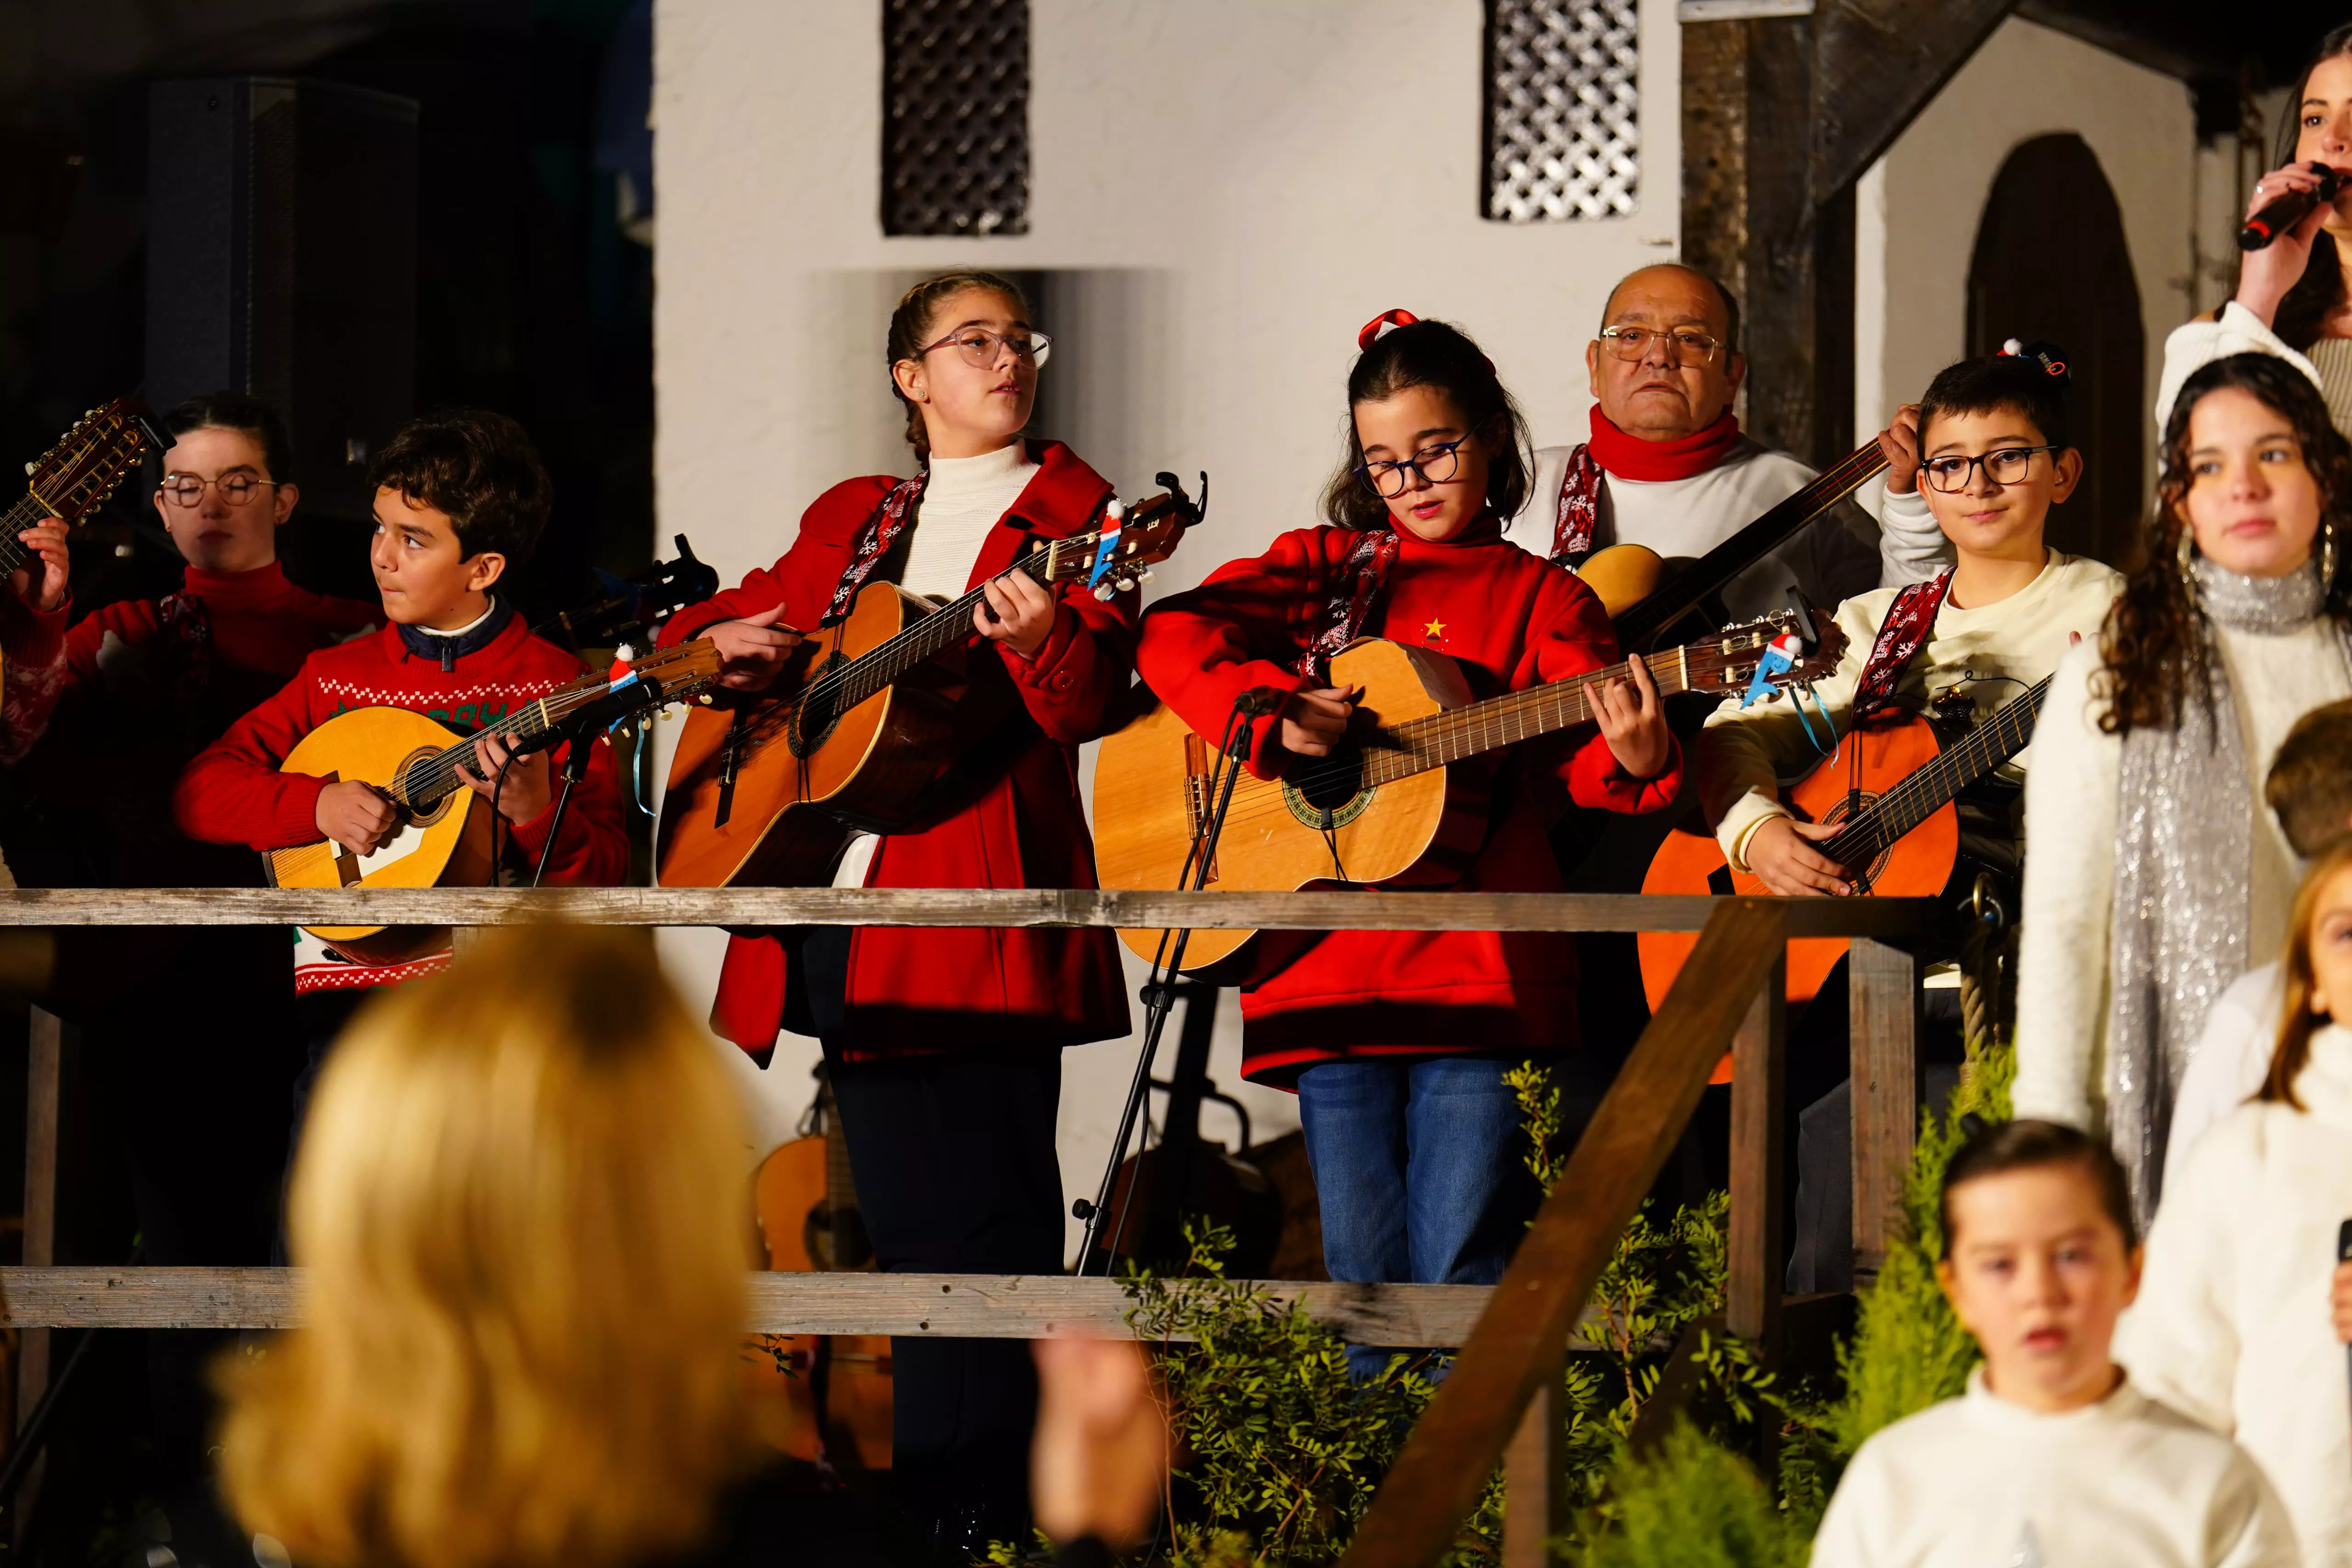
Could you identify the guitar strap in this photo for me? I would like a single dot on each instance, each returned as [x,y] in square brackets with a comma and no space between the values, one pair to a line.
[881,532]
[1355,587]
[188,628]
[1909,622]
[1580,507]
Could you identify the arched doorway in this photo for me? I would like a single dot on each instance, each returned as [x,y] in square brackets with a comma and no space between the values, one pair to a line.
[2051,262]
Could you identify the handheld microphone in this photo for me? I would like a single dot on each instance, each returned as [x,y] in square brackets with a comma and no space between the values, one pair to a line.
[2344,1254]
[2276,217]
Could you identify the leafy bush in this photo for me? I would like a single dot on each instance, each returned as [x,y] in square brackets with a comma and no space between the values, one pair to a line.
[1695,1504]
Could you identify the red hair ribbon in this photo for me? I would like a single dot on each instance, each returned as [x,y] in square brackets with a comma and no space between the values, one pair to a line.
[1380,326]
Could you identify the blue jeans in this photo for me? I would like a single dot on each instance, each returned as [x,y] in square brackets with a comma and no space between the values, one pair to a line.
[1417,1167]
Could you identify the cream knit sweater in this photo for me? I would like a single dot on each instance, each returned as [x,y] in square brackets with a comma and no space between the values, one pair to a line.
[2231,1326]
[1979,1482]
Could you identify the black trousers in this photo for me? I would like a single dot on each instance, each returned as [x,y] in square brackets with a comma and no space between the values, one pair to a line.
[956,1170]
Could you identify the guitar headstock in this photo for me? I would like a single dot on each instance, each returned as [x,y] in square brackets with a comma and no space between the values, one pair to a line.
[1118,556]
[687,670]
[1786,649]
[74,477]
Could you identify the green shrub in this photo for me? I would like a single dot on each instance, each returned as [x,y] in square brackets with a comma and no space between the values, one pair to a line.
[1695,1504]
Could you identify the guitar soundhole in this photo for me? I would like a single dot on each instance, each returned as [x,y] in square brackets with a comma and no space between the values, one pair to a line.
[1327,792]
[441,806]
[818,711]
[837,1239]
[1852,805]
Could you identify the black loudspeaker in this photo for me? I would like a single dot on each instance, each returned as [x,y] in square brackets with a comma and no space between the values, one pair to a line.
[281,262]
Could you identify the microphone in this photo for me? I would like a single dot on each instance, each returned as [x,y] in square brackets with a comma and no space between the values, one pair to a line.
[635,695]
[2276,217]
[1260,700]
[2344,1254]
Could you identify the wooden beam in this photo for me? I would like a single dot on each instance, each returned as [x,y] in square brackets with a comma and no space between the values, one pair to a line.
[1758,1099]
[1882,993]
[945,1305]
[1891,919]
[44,1087]
[1534,1482]
[1518,1343]
[1877,64]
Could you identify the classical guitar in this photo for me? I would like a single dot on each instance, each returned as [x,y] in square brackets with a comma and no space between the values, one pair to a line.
[836,1388]
[74,478]
[766,791]
[1647,595]
[1401,803]
[443,838]
[1893,786]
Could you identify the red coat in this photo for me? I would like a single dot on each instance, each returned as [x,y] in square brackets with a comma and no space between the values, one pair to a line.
[1510,620]
[914,991]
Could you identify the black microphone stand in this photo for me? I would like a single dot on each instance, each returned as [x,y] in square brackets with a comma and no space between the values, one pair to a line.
[1159,989]
[578,752]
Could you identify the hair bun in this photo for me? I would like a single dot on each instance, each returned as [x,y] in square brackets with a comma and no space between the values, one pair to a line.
[2047,354]
[1380,326]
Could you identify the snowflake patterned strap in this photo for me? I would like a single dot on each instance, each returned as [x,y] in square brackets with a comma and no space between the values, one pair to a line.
[1579,508]
[1357,584]
[881,532]
[1909,621]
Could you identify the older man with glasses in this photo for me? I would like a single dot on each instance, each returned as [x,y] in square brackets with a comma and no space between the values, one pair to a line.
[1668,468]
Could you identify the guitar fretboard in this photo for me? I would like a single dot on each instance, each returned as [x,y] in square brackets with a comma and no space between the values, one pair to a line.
[29,511]
[930,637]
[2000,736]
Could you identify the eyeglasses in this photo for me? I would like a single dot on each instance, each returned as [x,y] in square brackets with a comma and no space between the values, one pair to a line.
[2008,466]
[1435,464]
[980,346]
[187,489]
[1630,343]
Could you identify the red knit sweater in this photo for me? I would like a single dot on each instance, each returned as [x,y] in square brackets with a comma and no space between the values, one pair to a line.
[1510,620]
[234,793]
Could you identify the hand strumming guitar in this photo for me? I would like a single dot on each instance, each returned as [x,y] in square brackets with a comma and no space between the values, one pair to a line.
[1782,853]
[354,815]
[1315,721]
[752,650]
[40,581]
[1633,722]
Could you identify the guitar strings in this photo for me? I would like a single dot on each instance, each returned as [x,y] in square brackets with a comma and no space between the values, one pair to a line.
[1915,797]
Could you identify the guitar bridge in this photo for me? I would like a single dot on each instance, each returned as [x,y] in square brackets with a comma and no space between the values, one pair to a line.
[1196,793]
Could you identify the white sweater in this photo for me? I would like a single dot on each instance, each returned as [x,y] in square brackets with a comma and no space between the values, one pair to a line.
[2005,646]
[2069,873]
[1979,1482]
[2232,1057]
[964,497]
[1685,519]
[2231,1325]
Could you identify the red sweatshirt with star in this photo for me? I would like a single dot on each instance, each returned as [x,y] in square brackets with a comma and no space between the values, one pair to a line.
[1509,620]
[234,792]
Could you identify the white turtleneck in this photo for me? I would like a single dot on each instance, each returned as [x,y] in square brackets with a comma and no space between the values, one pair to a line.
[2071,802]
[1979,1483]
[2232,1324]
[963,500]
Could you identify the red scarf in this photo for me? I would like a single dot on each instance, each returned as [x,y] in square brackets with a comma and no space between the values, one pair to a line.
[1612,451]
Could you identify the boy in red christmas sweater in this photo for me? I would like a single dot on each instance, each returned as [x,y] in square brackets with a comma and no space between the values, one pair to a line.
[1397,1041]
[460,497]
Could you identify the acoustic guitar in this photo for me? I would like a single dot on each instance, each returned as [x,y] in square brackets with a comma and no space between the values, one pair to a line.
[1892,786]
[767,792]
[1647,595]
[443,836]
[1400,803]
[73,479]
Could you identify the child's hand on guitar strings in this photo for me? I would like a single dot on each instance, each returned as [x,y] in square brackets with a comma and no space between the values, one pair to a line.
[752,650]
[40,581]
[1780,853]
[354,814]
[1315,721]
[1018,613]
[529,786]
[1633,722]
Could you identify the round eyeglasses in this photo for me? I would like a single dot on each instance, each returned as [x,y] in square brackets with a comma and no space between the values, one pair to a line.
[2008,466]
[1435,464]
[1682,346]
[187,489]
[979,346]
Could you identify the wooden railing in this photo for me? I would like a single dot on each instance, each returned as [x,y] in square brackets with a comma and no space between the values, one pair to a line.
[1502,1392]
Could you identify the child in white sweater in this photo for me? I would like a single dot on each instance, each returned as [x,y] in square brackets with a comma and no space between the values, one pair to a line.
[2234,1324]
[2052,1457]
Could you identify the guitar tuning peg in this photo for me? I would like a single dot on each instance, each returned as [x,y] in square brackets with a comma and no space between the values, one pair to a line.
[1144,575]
[31,468]
[1103,591]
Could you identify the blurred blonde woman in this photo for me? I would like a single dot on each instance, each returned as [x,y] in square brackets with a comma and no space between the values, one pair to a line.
[522,1207]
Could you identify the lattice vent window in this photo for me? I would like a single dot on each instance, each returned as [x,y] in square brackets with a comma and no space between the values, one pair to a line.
[955,117]
[1563,110]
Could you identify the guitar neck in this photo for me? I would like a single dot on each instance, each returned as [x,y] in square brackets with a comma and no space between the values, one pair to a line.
[1708,575]
[27,511]
[928,636]
[2009,731]
[424,782]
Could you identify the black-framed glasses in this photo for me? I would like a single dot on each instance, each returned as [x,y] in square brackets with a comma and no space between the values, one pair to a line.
[979,346]
[1435,464]
[2005,466]
[187,489]
[1685,345]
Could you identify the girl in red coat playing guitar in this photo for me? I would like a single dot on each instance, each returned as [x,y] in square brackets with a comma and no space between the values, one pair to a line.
[1397,1041]
[944,1045]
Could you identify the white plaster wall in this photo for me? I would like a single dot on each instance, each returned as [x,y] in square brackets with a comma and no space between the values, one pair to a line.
[1916,211]
[1245,181]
